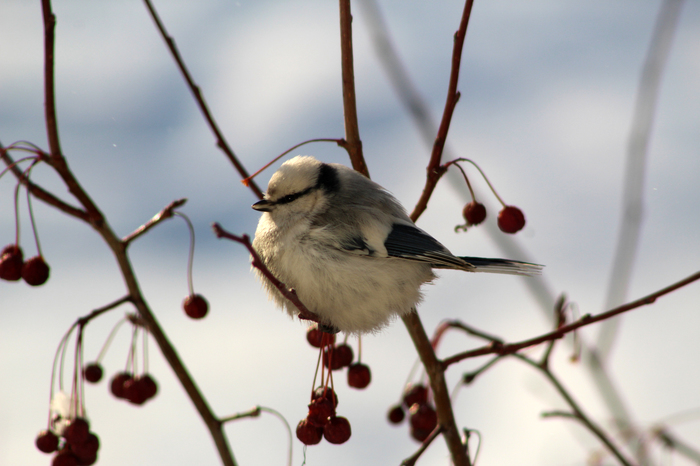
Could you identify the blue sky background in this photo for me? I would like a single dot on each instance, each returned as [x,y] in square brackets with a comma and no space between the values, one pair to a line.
[548,91]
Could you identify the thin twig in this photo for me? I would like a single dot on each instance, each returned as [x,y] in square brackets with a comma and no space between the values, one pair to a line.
[411,460]
[435,171]
[165,213]
[39,192]
[352,129]
[436,374]
[560,332]
[220,140]
[258,263]
[578,413]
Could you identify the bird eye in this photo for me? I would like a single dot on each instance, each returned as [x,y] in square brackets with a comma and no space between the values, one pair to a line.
[288,198]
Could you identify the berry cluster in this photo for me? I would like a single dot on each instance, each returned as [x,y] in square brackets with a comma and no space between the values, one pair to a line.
[34,270]
[423,418]
[336,357]
[322,421]
[510,218]
[75,446]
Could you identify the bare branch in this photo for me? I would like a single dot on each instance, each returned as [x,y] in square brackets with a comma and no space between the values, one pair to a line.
[560,332]
[164,214]
[411,460]
[435,170]
[258,263]
[220,140]
[352,129]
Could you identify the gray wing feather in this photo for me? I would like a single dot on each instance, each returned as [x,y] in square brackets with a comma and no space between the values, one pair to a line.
[410,242]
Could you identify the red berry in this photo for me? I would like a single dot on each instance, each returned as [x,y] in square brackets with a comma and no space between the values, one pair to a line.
[93,372]
[337,430]
[474,213]
[308,434]
[195,306]
[415,394]
[35,271]
[340,356]
[420,434]
[396,414]
[511,219]
[117,384]
[87,450]
[77,431]
[11,261]
[132,392]
[326,392]
[423,417]
[65,457]
[359,375]
[317,338]
[320,410]
[147,386]
[46,441]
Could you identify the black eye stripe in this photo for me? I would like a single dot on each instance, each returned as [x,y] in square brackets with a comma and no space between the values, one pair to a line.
[293,197]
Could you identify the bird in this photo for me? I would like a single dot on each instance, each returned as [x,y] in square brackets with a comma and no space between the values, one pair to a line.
[348,249]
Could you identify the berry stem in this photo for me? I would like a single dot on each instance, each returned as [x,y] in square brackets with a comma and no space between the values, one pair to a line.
[318,362]
[190,258]
[469,185]
[109,339]
[340,142]
[144,351]
[31,211]
[493,190]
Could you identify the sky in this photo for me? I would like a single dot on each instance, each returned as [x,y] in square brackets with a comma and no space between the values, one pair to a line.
[547,98]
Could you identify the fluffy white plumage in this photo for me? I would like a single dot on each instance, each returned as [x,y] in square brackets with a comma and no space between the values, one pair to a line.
[348,248]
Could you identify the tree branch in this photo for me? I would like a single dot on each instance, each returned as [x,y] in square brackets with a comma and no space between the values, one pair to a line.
[511,348]
[435,170]
[352,129]
[197,93]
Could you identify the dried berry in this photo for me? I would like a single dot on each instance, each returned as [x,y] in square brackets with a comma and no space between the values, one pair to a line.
[423,417]
[308,434]
[474,213]
[415,394]
[86,450]
[340,356]
[46,441]
[92,372]
[35,271]
[77,431]
[117,384]
[65,457]
[195,306]
[511,219]
[396,414]
[337,430]
[320,410]
[359,375]
[11,261]
[326,392]
[317,338]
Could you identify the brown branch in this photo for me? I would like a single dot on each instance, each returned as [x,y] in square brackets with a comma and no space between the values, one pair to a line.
[435,170]
[352,128]
[49,96]
[257,262]
[220,140]
[411,460]
[578,413]
[511,348]
[97,220]
[435,370]
[165,213]
[39,192]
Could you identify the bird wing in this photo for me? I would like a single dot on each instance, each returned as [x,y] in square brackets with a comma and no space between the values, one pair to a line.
[412,243]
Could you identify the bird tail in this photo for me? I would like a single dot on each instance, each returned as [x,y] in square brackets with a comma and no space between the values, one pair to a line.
[505,266]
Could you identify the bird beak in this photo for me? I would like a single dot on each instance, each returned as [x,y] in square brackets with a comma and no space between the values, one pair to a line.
[262,206]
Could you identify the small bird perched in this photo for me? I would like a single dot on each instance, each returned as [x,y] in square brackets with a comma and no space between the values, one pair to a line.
[348,248]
